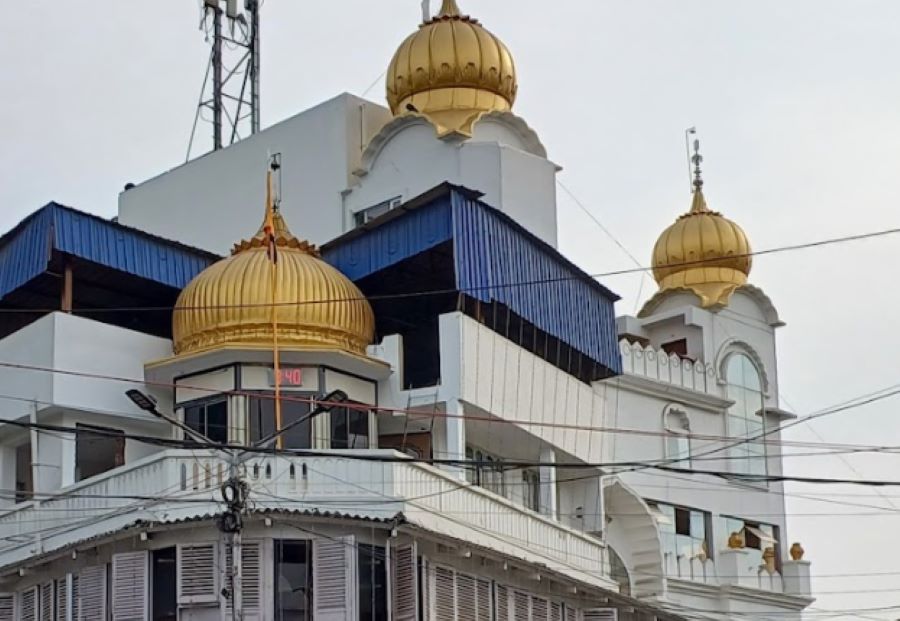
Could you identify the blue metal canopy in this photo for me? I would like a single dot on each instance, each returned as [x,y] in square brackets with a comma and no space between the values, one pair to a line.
[495,259]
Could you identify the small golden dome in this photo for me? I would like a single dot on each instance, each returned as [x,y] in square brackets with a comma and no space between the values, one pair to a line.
[452,71]
[703,252]
[230,304]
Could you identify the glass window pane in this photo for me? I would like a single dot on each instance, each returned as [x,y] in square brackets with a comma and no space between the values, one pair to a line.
[217,422]
[372,584]
[293,578]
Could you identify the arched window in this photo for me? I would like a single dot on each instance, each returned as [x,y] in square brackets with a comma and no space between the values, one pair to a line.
[746,418]
[678,438]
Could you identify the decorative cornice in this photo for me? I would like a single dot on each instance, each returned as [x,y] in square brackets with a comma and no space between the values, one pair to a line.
[670,392]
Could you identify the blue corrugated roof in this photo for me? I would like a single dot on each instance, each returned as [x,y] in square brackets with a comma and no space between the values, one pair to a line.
[27,249]
[496,259]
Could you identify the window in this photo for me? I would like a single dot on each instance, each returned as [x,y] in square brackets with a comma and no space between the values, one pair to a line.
[367,215]
[293,581]
[164,603]
[261,423]
[755,535]
[97,450]
[24,476]
[487,473]
[209,419]
[531,489]
[678,439]
[349,428]
[372,583]
[744,418]
[684,533]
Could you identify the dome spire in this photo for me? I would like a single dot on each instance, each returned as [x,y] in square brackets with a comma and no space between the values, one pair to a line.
[450,9]
[699,203]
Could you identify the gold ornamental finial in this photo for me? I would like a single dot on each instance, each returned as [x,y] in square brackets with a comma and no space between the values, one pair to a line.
[698,205]
[449,9]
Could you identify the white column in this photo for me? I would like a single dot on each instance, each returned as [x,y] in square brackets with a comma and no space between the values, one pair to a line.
[454,445]
[549,506]
[796,576]
[7,471]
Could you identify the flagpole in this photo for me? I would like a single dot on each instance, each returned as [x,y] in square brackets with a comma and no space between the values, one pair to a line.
[274,260]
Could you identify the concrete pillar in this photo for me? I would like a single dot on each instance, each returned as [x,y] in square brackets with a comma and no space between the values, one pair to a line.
[796,577]
[454,441]
[549,505]
[739,568]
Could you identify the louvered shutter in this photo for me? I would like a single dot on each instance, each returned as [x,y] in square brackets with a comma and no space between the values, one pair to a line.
[130,586]
[539,608]
[334,579]
[485,605]
[502,603]
[600,614]
[62,600]
[444,594]
[555,611]
[521,606]
[92,594]
[251,580]
[571,614]
[46,610]
[466,598]
[198,574]
[404,583]
[7,607]
[28,605]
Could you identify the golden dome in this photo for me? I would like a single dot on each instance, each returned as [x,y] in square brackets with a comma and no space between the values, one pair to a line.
[703,252]
[452,71]
[230,303]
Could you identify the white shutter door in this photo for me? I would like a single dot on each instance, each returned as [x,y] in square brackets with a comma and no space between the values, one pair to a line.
[521,606]
[62,600]
[484,605]
[130,586]
[198,574]
[251,580]
[46,591]
[444,594]
[334,579]
[404,583]
[28,605]
[502,603]
[571,613]
[92,594]
[555,611]
[76,599]
[601,614]
[539,608]
[7,607]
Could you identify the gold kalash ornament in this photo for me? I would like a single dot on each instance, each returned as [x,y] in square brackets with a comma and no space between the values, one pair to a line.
[452,71]
[236,303]
[703,252]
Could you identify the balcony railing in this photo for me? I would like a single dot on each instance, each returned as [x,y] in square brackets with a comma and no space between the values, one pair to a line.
[177,485]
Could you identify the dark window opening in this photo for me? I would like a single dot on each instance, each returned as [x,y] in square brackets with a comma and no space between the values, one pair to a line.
[294,407]
[164,599]
[209,419]
[422,355]
[372,583]
[24,475]
[97,450]
[293,581]
[678,348]
[682,522]
[349,428]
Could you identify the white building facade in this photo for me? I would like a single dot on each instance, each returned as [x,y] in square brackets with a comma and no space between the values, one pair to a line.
[505,450]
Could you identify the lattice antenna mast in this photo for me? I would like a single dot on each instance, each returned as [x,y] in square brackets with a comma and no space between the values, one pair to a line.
[230,94]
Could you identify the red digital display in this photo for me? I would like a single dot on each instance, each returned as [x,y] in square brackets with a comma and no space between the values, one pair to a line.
[287,377]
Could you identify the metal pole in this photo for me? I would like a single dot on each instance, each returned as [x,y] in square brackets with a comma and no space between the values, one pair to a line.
[237,565]
[217,77]
[253,5]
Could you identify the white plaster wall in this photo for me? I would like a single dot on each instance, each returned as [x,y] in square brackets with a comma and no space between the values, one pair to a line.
[218,199]
[32,346]
[413,160]
[95,348]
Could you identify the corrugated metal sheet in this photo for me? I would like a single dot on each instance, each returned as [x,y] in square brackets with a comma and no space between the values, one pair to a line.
[496,259]
[26,250]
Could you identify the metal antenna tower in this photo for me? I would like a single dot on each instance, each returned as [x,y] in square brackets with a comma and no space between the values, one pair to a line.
[230,90]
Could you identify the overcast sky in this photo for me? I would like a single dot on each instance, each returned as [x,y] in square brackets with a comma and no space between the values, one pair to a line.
[797,106]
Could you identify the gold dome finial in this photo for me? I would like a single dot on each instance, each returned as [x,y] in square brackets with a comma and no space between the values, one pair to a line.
[703,252]
[238,301]
[452,71]
[449,8]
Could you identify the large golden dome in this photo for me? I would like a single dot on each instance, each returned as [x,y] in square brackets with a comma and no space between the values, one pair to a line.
[703,252]
[452,71]
[230,304]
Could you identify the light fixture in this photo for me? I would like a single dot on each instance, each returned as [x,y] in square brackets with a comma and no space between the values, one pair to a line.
[145,402]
